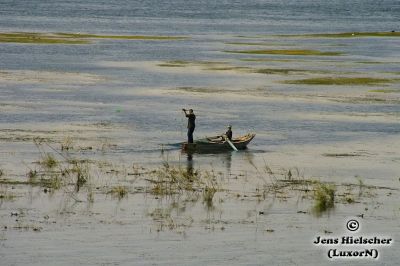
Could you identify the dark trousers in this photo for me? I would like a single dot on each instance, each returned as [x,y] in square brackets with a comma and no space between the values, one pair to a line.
[190,134]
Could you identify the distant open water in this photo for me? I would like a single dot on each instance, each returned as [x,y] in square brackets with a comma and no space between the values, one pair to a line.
[199,16]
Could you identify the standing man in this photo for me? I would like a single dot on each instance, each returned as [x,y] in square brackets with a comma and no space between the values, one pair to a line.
[191,124]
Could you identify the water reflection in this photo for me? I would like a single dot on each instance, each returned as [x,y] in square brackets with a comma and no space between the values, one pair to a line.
[189,164]
[223,158]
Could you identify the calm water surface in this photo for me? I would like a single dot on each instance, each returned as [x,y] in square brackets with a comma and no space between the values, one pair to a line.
[120,82]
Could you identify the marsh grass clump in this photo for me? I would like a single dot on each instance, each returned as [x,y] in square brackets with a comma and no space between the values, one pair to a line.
[171,180]
[67,144]
[324,196]
[1,172]
[81,169]
[210,187]
[208,195]
[49,161]
[55,173]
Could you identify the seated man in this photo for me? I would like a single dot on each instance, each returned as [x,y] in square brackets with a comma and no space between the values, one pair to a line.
[228,133]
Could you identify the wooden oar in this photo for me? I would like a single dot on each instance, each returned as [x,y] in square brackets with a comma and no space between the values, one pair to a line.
[230,143]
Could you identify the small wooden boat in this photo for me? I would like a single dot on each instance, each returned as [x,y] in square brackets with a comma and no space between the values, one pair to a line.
[217,143]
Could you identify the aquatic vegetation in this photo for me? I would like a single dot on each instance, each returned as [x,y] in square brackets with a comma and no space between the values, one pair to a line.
[164,218]
[6,195]
[324,196]
[350,199]
[347,34]
[205,90]
[370,62]
[253,43]
[364,100]
[205,65]
[53,181]
[120,37]
[384,90]
[67,143]
[49,161]
[119,191]
[208,195]
[82,173]
[32,174]
[354,81]
[183,63]
[285,71]
[341,154]
[228,68]
[73,38]
[286,52]
[174,64]
[269,60]
[38,38]
[171,180]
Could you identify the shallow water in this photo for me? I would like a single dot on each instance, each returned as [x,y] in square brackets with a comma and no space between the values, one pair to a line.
[115,97]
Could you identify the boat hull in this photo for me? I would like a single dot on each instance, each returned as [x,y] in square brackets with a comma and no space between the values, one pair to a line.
[217,144]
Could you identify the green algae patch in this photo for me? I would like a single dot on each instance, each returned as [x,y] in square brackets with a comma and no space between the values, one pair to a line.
[354,81]
[182,63]
[383,91]
[175,63]
[347,35]
[253,44]
[269,60]
[370,62]
[284,71]
[120,37]
[72,38]
[286,52]
[38,38]
[228,68]
[287,71]
[205,65]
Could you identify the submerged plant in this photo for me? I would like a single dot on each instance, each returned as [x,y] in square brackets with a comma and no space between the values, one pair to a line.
[208,195]
[53,181]
[119,192]
[32,174]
